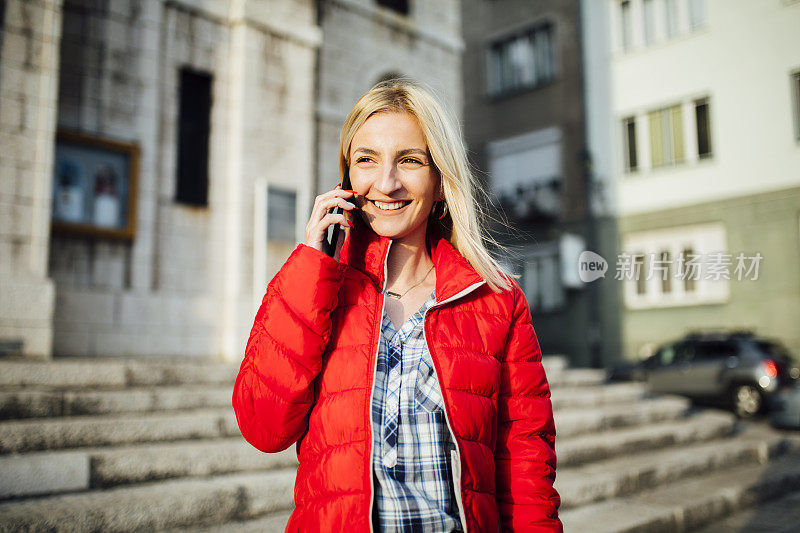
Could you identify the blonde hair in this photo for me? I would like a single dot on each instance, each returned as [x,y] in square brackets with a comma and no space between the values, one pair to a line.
[463,225]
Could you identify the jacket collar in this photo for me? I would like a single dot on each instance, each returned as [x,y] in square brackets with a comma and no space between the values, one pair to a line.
[365,250]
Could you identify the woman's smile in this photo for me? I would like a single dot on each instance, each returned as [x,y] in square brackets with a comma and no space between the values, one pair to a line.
[390,207]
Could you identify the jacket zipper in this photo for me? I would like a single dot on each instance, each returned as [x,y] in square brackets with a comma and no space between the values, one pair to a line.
[372,389]
[455,467]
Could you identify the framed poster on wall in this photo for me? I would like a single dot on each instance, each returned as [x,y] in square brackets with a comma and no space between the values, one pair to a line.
[94,186]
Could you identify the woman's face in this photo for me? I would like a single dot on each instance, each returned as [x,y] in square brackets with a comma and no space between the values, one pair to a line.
[393,176]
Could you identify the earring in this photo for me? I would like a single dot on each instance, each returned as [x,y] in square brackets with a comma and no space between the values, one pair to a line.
[444,210]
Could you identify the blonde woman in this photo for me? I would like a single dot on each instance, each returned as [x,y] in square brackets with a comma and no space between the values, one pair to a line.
[406,367]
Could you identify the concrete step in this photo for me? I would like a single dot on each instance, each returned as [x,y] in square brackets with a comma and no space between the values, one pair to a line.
[273,523]
[114,373]
[691,503]
[156,506]
[780,516]
[41,473]
[20,436]
[630,474]
[581,421]
[38,402]
[140,463]
[699,427]
[591,395]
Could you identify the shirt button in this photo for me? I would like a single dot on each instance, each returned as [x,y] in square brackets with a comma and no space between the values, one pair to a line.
[389,461]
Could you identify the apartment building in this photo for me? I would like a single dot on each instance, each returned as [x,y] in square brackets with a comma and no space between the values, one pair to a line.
[706,132]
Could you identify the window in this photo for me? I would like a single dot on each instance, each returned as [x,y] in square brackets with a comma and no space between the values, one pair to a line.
[684,269]
[629,131]
[666,136]
[697,13]
[675,267]
[703,128]
[542,283]
[796,91]
[714,350]
[648,10]
[194,117]
[640,267]
[671,17]
[281,212]
[666,355]
[522,61]
[665,271]
[281,208]
[627,24]
[525,171]
[401,6]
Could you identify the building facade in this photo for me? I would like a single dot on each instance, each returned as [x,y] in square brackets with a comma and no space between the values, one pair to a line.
[526,127]
[163,154]
[706,130]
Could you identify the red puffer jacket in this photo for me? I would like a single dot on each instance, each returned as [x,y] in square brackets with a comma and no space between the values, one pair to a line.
[308,371]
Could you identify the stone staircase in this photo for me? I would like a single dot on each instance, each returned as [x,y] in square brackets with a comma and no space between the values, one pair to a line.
[135,444]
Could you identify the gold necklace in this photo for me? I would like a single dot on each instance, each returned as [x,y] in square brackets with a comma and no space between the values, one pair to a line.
[398,296]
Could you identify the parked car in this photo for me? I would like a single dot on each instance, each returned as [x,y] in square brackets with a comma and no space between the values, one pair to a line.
[739,370]
[785,408]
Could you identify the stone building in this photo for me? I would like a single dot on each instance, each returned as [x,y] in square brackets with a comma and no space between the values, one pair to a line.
[160,157]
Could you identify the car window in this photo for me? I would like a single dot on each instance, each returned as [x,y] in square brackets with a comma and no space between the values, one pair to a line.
[672,353]
[684,352]
[666,355]
[709,350]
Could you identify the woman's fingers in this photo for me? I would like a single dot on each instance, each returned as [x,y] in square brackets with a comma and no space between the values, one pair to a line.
[334,218]
[322,216]
[327,201]
[340,202]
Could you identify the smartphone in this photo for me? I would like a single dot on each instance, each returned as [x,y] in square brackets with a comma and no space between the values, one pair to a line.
[329,246]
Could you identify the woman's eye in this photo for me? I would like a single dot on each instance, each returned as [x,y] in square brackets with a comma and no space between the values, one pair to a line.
[363,159]
[412,160]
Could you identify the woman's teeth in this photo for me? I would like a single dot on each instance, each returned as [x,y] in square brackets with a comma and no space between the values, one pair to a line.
[388,206]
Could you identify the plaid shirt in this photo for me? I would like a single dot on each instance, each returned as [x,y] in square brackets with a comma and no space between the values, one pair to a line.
[411,441]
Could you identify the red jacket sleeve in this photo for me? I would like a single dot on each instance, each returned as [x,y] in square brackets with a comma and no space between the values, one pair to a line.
[525,458]
[274,390]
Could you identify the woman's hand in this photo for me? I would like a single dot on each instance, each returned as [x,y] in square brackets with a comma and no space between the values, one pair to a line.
[322,217]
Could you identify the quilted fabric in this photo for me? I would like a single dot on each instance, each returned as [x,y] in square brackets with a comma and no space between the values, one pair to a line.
[307,378]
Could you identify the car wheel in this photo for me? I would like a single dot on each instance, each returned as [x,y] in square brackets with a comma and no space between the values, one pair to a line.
[747,400]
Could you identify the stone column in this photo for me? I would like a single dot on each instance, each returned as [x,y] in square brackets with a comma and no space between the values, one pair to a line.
[29,62]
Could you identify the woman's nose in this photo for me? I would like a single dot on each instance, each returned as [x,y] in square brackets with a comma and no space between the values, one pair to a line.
[388,181]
